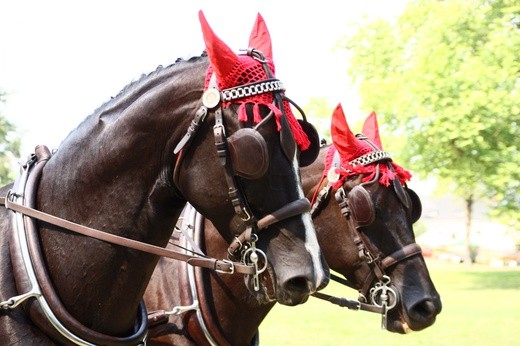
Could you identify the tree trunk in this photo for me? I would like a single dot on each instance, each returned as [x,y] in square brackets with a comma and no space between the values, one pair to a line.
[472,247]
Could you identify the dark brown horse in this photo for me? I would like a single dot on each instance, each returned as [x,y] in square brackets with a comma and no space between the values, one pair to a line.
[124,176]
[207,308]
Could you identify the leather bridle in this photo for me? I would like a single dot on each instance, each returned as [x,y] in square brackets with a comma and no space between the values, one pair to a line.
[377,294]
[242,247]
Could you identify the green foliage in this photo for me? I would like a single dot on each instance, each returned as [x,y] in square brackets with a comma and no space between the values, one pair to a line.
[9,147]
[318,112]
[444,78]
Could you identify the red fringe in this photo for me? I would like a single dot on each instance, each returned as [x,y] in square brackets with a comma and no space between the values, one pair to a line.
[347,170]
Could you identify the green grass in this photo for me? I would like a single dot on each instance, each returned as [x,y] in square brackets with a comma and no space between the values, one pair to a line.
[481,306]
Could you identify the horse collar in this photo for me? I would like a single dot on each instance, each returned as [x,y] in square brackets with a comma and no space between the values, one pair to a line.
[50,315]
[193,300]
[211,332]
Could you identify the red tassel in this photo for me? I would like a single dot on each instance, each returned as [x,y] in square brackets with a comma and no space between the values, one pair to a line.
[402,173]
[256,113]
[242,114]
[386,176]
[277,114]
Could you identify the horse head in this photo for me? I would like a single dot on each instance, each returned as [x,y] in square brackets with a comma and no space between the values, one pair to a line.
[253,170]
[375,248]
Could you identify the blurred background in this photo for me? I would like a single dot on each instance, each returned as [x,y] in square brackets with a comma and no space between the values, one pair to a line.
[442,76]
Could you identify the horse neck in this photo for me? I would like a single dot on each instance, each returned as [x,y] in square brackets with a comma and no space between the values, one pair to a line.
[312,174]
[111,173]
[335,235]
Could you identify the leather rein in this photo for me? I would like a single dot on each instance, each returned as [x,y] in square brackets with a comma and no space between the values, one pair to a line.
[382,295]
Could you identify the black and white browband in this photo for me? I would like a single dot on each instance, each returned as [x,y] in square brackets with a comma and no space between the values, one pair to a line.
[251,89]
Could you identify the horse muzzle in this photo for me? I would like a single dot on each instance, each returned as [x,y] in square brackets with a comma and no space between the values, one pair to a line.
[414,315]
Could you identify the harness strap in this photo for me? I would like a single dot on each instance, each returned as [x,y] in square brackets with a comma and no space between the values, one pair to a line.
[223,266]
[30,272]
[348,303]
[294,208]
[239,204]
[401,254]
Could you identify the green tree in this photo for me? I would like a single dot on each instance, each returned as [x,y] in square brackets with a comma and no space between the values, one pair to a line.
[318,112]
[9,147]
[445,77]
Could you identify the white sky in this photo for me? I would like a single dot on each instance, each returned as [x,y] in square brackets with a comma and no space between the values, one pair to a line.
[60,60]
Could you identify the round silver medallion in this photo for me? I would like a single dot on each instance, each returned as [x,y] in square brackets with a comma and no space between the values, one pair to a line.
[332,175]
[211,98]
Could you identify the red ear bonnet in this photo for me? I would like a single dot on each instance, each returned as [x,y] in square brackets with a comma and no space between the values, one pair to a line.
[344,140]
[222,58]
[371,130]
[234,70]
[351,148]
[260,38]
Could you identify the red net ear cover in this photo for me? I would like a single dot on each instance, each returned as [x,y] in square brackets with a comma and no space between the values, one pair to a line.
[234,70]
[222,58]
[260,38]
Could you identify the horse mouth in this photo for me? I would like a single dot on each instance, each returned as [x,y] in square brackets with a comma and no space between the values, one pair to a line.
[404,322]
[293,291]
[266,291]
[399,326]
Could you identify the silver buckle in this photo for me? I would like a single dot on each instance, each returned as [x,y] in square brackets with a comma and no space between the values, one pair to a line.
[227,272]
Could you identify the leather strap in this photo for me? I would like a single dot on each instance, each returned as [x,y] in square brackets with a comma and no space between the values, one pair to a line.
[347,303]
[401,254]
[223,266]
[294,208]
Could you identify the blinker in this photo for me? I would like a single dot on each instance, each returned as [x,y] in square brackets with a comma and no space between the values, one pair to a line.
[248,152]
[309,155]
[361,206]
[416,210]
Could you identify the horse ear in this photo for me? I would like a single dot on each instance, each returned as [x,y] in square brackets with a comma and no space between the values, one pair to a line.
[371,130]
[260,38]
[222,58]
[342,137]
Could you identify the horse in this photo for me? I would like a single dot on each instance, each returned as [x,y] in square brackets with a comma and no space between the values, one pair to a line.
[376,254]
[84,226]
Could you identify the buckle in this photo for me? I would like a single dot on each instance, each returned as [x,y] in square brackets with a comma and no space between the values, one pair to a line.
[227,272]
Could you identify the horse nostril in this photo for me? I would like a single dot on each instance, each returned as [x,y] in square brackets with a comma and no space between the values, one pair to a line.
[423,311]
[298,284]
